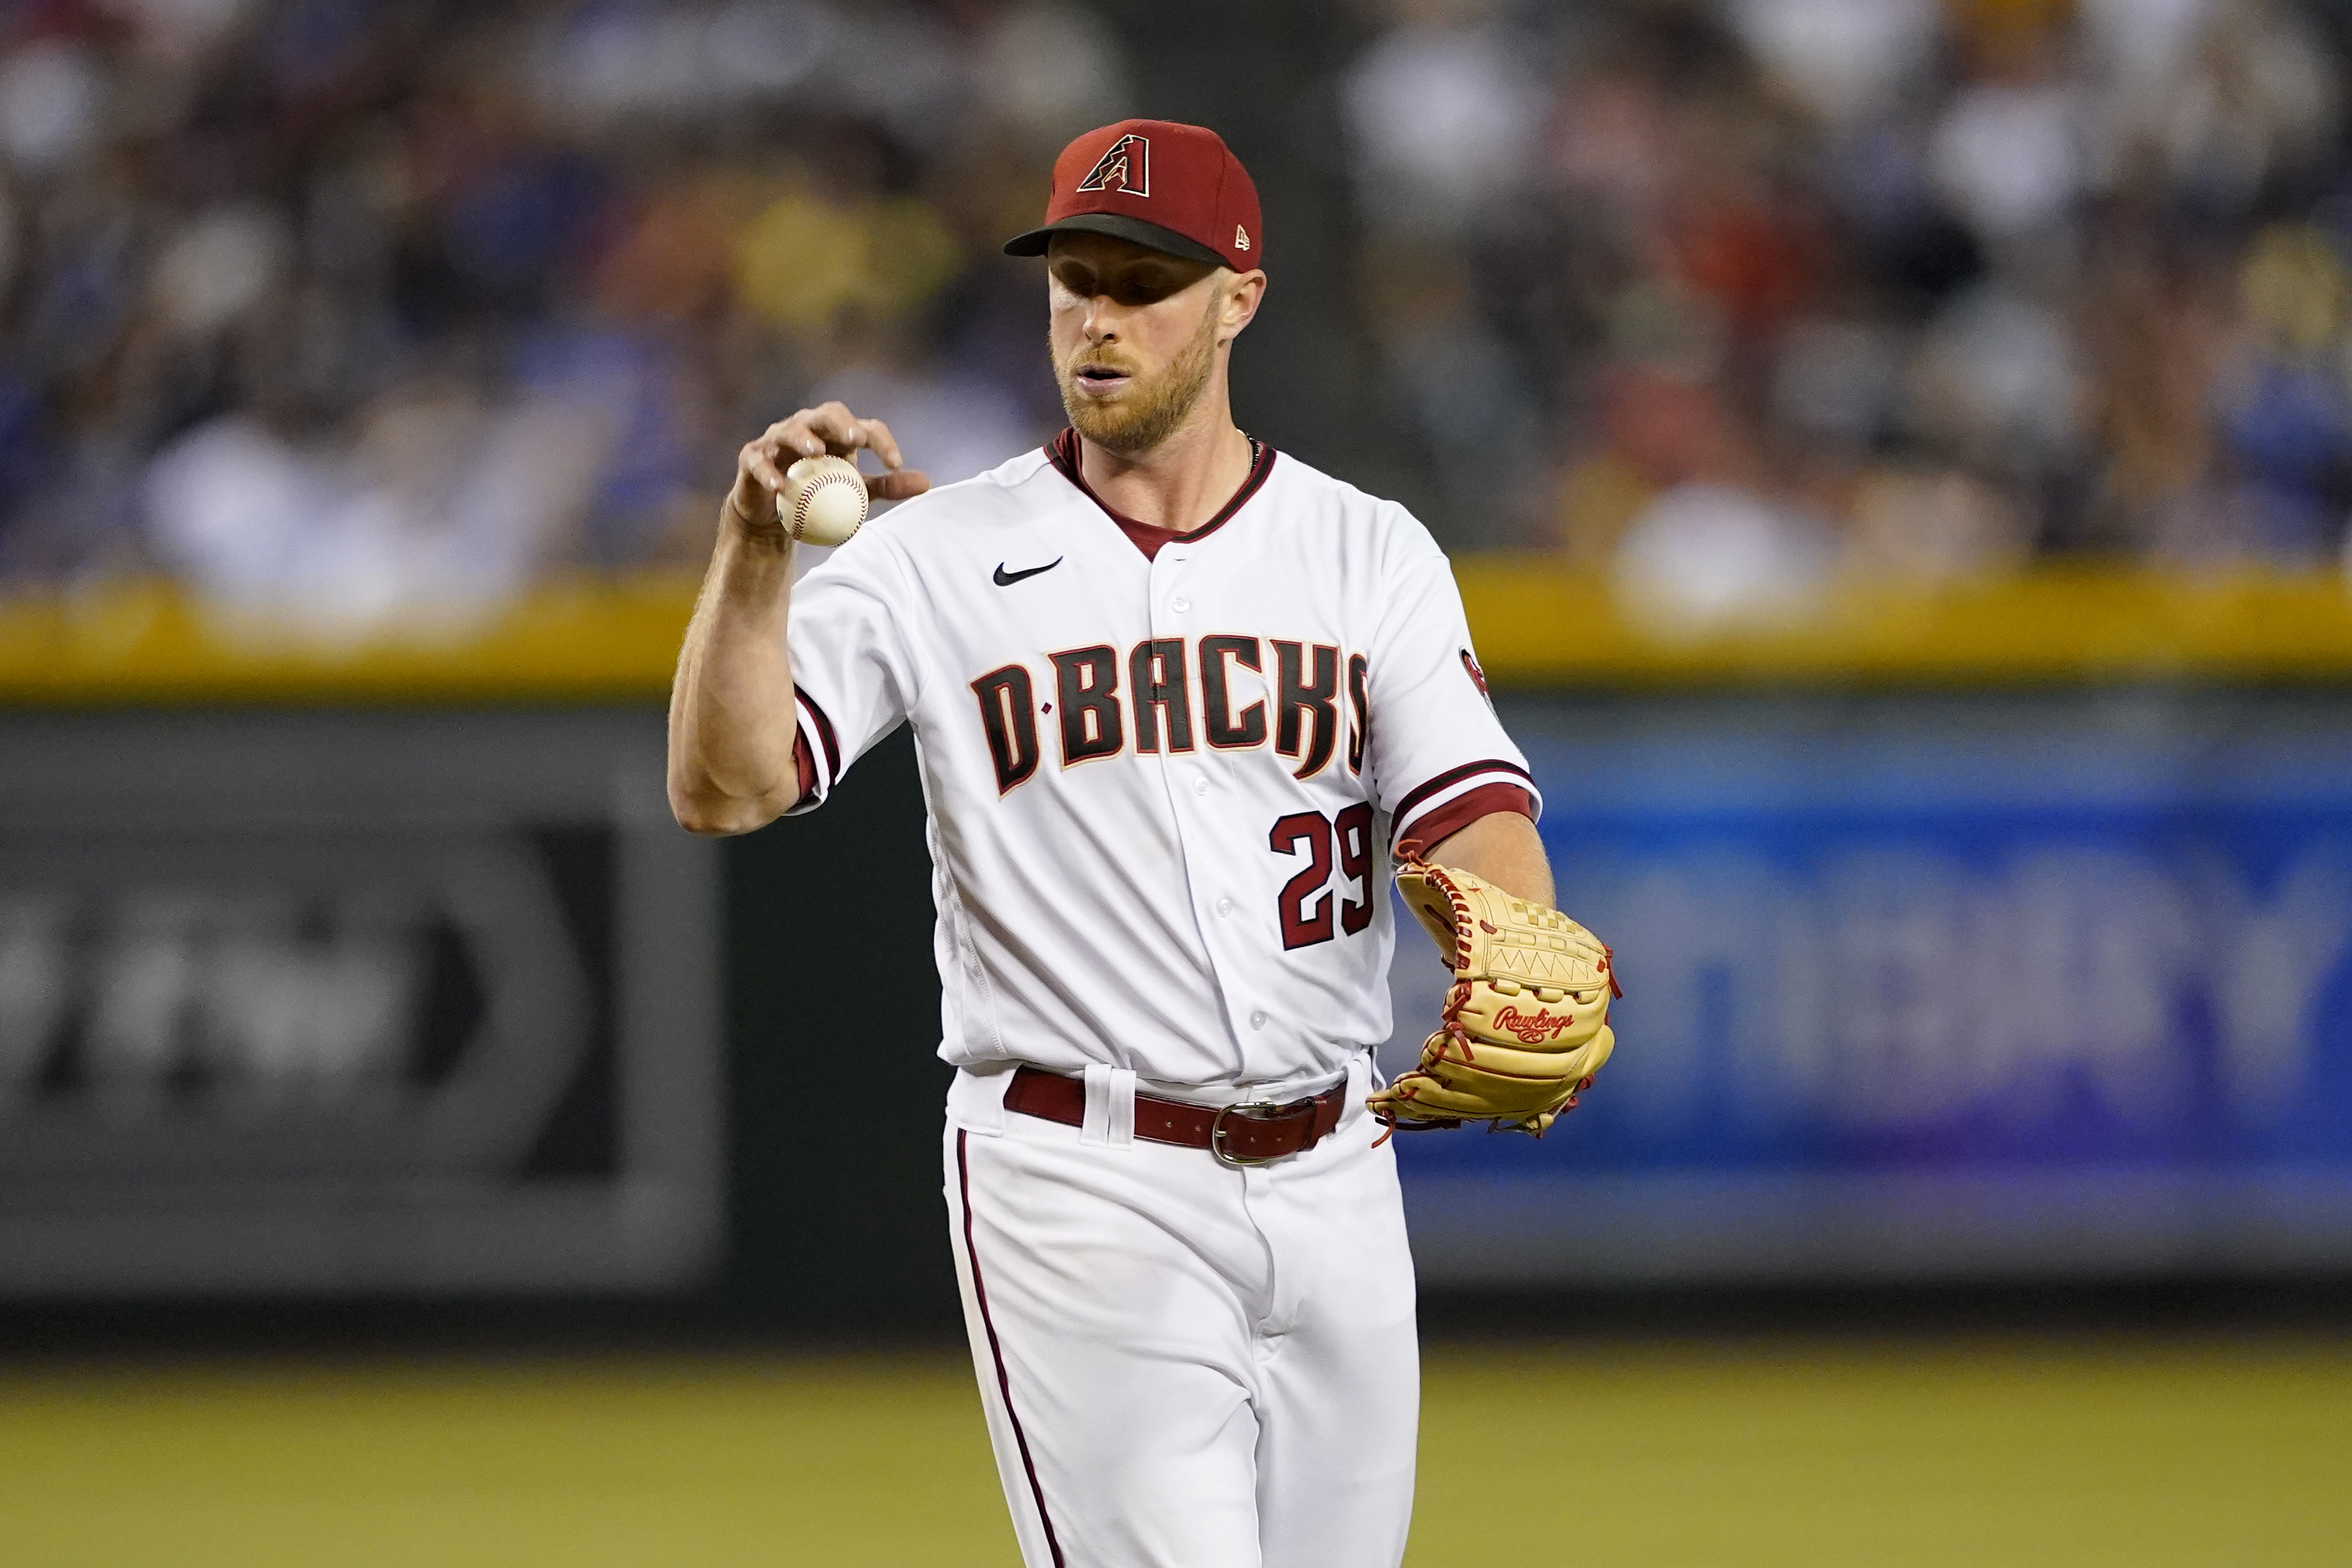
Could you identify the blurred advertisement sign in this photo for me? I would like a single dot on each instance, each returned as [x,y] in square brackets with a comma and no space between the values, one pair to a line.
[1921,988]
[367,1002]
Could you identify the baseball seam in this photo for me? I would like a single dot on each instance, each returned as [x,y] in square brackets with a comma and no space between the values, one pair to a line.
[809,494]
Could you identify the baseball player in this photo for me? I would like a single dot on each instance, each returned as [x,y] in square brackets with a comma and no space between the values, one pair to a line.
[1180,702]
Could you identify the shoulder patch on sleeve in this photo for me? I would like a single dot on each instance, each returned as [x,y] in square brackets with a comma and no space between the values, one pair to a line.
[1477,677]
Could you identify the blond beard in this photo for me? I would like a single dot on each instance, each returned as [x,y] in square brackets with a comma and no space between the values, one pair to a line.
[1153,410]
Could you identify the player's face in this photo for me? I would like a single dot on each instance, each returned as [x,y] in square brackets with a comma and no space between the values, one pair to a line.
[1134,335]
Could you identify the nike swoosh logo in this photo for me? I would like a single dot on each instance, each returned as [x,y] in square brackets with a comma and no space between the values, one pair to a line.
[1007,579]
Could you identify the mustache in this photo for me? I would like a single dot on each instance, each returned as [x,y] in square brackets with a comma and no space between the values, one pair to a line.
[1088,359]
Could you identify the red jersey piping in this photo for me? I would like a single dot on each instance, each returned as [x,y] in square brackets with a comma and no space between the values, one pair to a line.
[1062,452]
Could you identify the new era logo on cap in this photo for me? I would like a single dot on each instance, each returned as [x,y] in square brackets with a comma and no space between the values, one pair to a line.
[1202,202]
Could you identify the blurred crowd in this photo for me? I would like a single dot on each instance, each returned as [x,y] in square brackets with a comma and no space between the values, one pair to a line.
[357,312]
[1760,291]
[370,311]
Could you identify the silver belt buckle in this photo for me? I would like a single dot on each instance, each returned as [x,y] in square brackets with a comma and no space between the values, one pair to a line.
[1252,1111]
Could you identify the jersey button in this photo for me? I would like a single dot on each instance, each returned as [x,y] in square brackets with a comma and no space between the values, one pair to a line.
[1200,786]
[1179,604]
[1225,906]
[1257,1020]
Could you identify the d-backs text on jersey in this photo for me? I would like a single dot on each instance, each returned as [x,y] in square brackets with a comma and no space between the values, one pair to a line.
[1104,701]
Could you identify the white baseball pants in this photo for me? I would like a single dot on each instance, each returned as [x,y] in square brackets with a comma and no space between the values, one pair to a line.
[1185,1365]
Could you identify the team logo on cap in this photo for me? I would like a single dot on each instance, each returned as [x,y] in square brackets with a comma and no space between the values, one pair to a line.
[1125,167]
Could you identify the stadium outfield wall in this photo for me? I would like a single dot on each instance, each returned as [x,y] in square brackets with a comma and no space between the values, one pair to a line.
[2003,932]
[615,639]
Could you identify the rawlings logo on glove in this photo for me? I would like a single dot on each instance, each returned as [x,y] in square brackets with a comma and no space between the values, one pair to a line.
[1491,1059]
[1529,1027]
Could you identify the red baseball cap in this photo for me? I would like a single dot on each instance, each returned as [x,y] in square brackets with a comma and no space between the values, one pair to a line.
[1177,188]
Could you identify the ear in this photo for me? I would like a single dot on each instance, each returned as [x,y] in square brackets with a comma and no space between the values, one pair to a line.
[1242,294]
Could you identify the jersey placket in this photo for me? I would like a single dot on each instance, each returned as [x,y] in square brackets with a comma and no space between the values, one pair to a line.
[1200,825]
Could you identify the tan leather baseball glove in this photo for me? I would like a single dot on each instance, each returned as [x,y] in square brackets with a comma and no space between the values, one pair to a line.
[1525,1024]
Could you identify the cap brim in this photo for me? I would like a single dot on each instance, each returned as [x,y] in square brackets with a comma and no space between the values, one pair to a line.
[1119,227]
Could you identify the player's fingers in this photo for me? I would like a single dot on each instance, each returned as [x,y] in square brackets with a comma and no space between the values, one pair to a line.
[760,465]
[843,431]
[884,444]
[790,440]
[897,484]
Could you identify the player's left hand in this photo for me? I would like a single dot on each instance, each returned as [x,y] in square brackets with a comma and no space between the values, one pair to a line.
[1525,1024]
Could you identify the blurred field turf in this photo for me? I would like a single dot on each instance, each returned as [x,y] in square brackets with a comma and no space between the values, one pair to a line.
[1755,1453]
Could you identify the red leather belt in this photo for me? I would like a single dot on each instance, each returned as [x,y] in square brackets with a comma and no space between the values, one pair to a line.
[1237,1135]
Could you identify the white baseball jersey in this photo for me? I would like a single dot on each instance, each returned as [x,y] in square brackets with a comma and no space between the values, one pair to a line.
[1164,772]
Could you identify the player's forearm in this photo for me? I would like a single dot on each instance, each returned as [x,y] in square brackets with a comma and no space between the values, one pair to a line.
[1504,849]
[732,718]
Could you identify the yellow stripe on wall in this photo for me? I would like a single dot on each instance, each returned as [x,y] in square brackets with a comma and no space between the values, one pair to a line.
[1537,625]
[616,639]
[586,640]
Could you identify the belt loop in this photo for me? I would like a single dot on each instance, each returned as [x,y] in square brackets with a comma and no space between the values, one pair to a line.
[1096,1129]
[976,1097]
[1110,1107]
[1121,1133]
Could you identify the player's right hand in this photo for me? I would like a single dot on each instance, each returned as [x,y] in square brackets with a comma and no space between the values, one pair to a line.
[812,433]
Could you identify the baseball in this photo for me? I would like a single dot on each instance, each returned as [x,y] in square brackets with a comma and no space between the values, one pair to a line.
[823,502]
